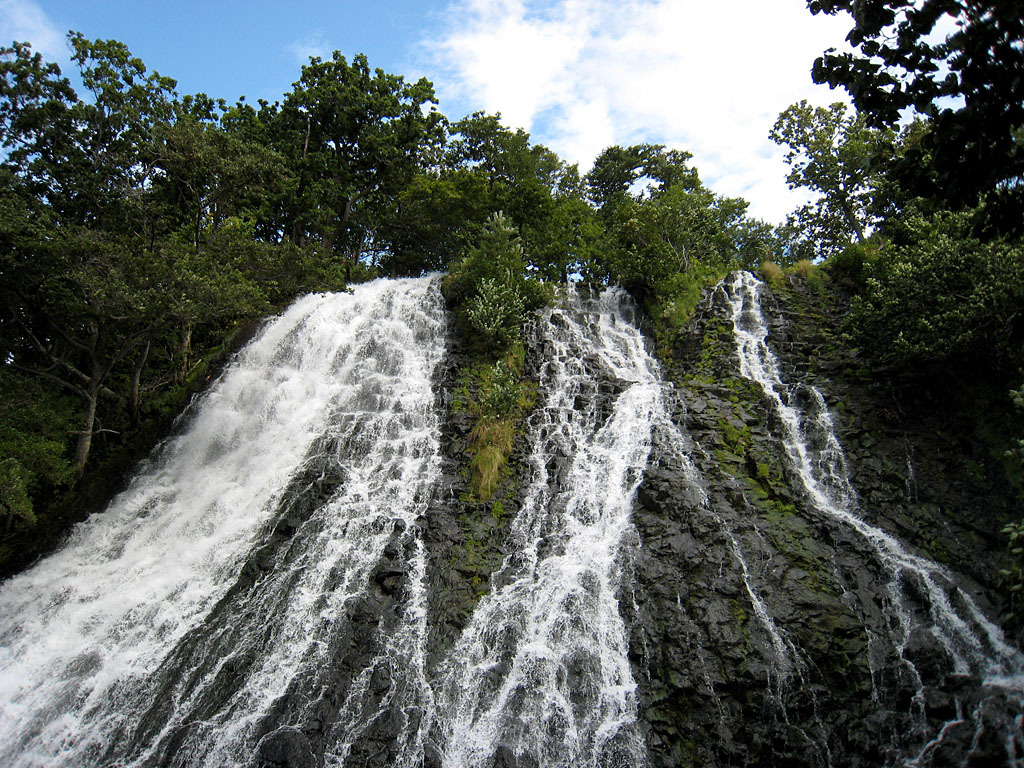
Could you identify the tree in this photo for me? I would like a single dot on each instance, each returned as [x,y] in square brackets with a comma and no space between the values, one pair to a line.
[107,157]
[969,84]
[504,155]
[490,288]
[618,170]
[655,241]
[94,271]
[356,139]
[525,181]
[208,175]
[567,242]
[33,441]
[832,154]
[434,219]
[35,100]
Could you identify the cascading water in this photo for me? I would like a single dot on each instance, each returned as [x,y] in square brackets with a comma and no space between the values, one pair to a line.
[202,610]
[922,595]
[542,672]
[258,595]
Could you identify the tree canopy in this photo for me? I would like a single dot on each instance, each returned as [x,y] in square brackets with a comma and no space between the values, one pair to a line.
[832,154]
[959,63]
[142,229]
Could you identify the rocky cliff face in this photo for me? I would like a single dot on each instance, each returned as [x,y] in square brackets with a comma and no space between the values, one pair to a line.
[763,632]
[760,619]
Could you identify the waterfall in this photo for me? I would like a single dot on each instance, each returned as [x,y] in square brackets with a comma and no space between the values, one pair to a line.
[922,595]
[259,595]
[541,672]
[201,611]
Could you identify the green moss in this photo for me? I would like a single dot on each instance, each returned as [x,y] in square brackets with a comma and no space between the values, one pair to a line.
[737,438]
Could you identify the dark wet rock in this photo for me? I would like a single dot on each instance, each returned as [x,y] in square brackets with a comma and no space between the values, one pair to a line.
[285,748]
[759,629]
[713,687]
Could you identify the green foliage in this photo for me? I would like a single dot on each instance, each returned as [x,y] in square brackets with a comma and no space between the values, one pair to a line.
[502,399]
[811,273]
[968,83]
[496,312]
[831,154]
[502,393]
[491,443]
[618,171]
[497,254]
[491,290]
[772,273]
[1015,454]
[679,296]
[14,499]
[356,138]
[34,421]
[435,217]
[852,264]
[936,293]
[1012,578]
[805,268]
[654,241]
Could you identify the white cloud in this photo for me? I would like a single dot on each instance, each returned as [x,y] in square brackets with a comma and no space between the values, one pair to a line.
[710,78]
[313,44]
[25,22]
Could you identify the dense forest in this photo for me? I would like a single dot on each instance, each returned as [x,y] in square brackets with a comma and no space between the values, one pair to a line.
[143,233]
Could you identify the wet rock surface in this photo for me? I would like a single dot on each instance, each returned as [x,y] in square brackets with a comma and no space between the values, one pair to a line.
[761,632]
[761,629]
[464,536]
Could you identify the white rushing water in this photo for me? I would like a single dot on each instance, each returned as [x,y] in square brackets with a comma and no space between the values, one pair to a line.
[340,383]
[974,644]
[542,670]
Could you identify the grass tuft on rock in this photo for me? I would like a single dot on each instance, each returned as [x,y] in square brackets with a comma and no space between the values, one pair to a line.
[490,443]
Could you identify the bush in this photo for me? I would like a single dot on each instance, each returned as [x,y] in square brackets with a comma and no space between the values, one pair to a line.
[805,268]
[851,263]
[1014,455]
[35,421]
[490,289]
[491,442]
[501,393]
[936,294]
[14,499]
[497,313]
[812,275]
[771,272]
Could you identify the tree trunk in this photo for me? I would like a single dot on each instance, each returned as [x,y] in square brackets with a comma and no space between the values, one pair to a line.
[851,219]
[186,348]
[140,364]
[85,436]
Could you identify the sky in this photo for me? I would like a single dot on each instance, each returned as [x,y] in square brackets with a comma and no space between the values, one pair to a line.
[706,76]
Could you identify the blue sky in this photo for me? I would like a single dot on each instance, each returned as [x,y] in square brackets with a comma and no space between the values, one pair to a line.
[579,75]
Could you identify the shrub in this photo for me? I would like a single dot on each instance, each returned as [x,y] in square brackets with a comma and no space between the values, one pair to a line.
[490,289]
[771,272]
[501,394]
[491,442]
[14,498]
[811,273]
[497,313]
[937,293]
[849,264]
[805,268]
